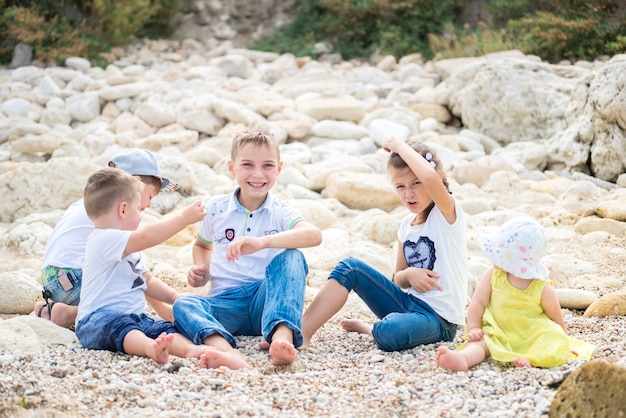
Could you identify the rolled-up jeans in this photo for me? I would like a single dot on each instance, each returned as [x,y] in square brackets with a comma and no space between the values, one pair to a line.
[253,309]
[405,321]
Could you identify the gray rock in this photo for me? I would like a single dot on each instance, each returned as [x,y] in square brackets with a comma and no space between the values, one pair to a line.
[22,55]
[597,389]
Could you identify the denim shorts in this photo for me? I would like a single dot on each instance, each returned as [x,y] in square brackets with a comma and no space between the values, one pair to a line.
[63,284]
[105,330]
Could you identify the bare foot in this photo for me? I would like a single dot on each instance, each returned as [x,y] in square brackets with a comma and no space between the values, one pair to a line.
[521,362]
[356,325]
[450,360]
[213,358]
[282,353]
[159,350]
[63,315]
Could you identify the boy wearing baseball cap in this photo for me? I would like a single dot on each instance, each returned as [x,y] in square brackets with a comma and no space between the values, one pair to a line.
[63,258]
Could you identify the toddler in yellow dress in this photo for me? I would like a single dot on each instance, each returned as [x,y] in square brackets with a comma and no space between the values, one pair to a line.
[514,315]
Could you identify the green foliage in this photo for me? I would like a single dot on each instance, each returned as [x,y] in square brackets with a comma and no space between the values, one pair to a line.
[551,29]
[121,19]
[504,10]
[53,37]
[23,402]
[555,37]
[468,42]
[299,36]
[58,29]
[356,28]
[161,23]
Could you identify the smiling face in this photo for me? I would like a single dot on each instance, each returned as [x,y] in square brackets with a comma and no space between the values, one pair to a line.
[255,168]
[410,190]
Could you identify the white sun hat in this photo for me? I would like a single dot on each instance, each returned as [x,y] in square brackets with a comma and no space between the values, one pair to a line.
[516,247]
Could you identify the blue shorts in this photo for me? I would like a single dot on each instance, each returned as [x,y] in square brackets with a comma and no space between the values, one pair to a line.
[63,284]
[105,330]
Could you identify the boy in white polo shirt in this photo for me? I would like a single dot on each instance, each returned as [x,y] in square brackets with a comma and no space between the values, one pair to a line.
[247,250]
[65,250]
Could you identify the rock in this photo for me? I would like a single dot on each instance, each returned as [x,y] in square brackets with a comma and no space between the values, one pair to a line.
[17,337]
[575,298]
[344,108]
[613,207]
[594,224]
[19,290]
[608,305]
[38,187]
[47,331]
[84,107]
[596,389]
[362,191]
[22,55]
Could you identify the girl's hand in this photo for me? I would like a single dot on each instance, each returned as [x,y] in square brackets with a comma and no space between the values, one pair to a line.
[198,276]
[423,280]
[392,144]
[475,334]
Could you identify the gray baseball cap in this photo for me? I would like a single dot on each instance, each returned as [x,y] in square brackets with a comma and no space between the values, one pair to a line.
[142,162]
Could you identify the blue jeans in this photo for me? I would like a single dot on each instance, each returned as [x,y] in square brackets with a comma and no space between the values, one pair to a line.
[106,330]
[406,321]
[253,309]
[50,278]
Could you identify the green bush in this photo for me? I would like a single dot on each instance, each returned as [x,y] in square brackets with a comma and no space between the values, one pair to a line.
[555,38]
[56,30]
[120,20]
[469,42]
[552,30]
[53,37]
[356,28]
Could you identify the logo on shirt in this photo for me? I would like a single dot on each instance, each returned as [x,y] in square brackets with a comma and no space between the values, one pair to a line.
[139,281]
[420,254]
[230,234]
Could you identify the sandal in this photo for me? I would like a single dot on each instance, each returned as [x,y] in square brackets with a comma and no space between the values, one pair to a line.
[46,295]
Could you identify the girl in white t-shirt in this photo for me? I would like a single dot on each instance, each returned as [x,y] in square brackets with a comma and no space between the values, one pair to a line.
[425,300]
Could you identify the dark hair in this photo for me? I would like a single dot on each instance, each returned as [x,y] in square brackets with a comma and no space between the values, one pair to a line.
[395,161]
[155,181]
[254,137]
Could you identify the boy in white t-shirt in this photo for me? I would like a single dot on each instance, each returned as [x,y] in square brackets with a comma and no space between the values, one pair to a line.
[65,249]
[112,311]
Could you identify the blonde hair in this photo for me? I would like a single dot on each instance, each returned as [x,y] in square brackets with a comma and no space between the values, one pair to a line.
[108,187]
[254,137]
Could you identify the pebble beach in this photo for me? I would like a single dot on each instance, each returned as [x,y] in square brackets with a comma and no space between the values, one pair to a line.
[335,173]
[341,375]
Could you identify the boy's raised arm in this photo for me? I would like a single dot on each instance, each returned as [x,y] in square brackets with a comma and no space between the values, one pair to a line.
[156,233]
